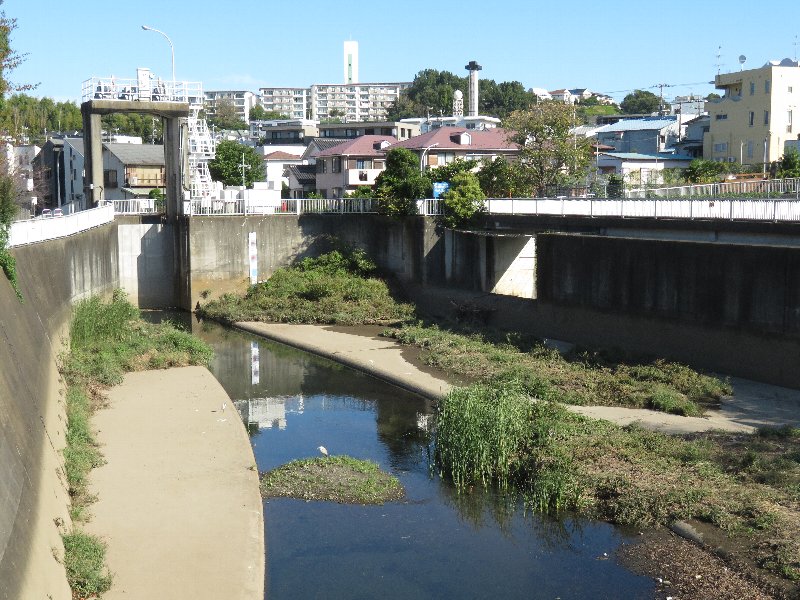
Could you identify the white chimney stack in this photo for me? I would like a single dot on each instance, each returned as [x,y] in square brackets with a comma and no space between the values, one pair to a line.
[473,68]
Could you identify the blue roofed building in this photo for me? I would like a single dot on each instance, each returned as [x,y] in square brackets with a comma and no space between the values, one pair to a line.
[647,135]
[639,168]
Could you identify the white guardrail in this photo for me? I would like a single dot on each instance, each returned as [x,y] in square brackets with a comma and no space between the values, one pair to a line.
[49,228]
[762,187]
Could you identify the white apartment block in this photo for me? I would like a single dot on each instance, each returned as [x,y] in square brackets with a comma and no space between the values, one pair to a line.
[242,102]
[294,103]
[357,102]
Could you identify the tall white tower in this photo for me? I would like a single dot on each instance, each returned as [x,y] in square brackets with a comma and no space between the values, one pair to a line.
[350,62]
[473,68]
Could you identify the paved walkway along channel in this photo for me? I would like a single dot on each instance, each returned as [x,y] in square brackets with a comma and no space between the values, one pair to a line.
[178,498]
[752,405]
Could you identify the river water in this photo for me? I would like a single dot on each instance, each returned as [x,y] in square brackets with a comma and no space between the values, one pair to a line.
[433,544]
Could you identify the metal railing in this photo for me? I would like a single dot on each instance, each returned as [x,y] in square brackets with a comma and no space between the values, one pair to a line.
[285,206]
[116,88]
[760,187]
[50,228]
[136,206]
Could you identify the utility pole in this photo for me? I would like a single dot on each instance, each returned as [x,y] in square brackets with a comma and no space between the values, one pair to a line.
[243,167]
[661,87]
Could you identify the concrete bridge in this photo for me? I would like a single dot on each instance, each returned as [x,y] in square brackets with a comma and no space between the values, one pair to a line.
[721,295]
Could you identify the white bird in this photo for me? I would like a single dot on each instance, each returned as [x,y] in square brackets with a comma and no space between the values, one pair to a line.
[224,406]
[323,450]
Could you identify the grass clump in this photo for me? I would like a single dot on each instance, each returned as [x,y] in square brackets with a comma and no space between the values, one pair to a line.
[84,560]
[747,485]
[81,453]
[334,478]
[339,287]
[578,378]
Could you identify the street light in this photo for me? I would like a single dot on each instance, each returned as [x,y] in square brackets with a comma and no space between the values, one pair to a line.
[422,157]
[146,28]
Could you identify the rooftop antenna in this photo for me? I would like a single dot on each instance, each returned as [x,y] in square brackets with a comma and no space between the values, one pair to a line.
[742,60]
[719,58]
[795,48]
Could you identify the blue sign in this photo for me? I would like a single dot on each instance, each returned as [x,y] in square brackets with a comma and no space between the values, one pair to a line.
[439,188]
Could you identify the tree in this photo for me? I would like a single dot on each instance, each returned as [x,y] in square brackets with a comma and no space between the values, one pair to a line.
[401,184]
[227,164]
[462,203]
[549,154]
[225,116]
[640,102]
[789,164]
[445,173]
[9,59]
[258,113]
[362,191]
[501,178]
[704,171]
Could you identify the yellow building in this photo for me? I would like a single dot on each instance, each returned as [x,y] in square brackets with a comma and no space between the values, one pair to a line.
[754,118]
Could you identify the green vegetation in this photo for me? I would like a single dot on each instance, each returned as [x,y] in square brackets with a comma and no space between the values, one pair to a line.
[401,184]
[640,102]
[227,164]
[431,93]
[84,560]
[333,478]
[789,164]
[106,340]
[550,156]
[747,485]
[582,377]
[336,288]
[8,210]
[463,202]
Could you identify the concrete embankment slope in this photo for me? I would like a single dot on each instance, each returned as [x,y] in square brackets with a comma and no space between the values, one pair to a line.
[178,499]
[33,494]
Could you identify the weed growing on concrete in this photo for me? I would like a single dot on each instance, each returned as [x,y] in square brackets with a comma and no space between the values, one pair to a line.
[84,560]
[107,339]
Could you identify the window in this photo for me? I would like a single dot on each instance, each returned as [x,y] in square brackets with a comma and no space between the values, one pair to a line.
[752,88]
[766,86]
[766,117]
[723,147]
[721,117]
[752,119]
[789,122]
[360,163]
[109,178]
[336,164]
[750,149]
[790,89]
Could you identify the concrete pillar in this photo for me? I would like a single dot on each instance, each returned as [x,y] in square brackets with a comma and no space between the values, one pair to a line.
[93,156]
[174,151]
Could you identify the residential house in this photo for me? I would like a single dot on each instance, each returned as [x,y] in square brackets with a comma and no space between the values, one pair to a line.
[276,168]
[647,135]
[541,93]
[351,164]
[426,124]
[695,130]
[443,146]
[638,168]
[563,96]
[48,174]
[755,116]
[132,170]
[74,173]
[401,130]
[283,131]
[302,180]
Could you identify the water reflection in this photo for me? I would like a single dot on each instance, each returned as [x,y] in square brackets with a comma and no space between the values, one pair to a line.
[434,543]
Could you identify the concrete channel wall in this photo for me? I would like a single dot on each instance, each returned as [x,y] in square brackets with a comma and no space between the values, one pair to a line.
[33,493]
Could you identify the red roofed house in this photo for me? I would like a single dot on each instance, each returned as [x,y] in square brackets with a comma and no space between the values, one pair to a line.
[351,164]
[276,167]
[446,144]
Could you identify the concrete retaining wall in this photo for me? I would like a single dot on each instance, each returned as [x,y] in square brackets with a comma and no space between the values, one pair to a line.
[33,496]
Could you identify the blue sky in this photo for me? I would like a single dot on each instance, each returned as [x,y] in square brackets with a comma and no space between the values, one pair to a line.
[609,47]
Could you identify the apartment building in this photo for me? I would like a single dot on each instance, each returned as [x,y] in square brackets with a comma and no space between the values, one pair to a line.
[283,131]
[292,102]
[400,130]
[241,100]
[752,121]
[354,102]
